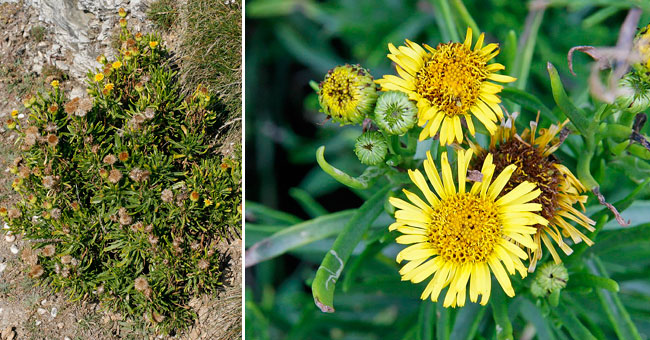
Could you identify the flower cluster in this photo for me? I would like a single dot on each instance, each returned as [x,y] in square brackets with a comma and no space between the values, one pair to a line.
[520,198]
[122,192]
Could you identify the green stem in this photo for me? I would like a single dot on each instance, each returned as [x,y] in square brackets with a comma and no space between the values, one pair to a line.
[526,49]
[464,15]
[361,182]
[500,313]
[448,19]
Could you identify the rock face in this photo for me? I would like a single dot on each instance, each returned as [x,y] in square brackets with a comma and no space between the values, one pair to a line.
[80,30]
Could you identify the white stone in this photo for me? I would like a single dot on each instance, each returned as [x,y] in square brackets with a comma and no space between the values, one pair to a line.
[10,238]
[3,266]
[14,249]
[38,322]
[41,311]
[54,312]
[6,226]
[21,116]
[43,302]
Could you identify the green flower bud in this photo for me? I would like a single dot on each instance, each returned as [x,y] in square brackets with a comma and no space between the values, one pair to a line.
[371,148]
[395,113]
[550,277]
[635,94]
[348,94]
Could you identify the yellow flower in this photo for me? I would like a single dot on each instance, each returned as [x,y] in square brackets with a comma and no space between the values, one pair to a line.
[153,44]
[535,162]
[121,12]
[99,77]
[109,87]
[55,84]
[14,113]
[207,202]
[459,237]
[116,64]
[123,22]
[448,83]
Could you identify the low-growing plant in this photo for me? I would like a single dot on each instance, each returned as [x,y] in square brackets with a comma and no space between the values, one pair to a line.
[122,196]
[164,13]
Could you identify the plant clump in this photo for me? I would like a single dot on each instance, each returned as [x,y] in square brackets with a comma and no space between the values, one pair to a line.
[123,198]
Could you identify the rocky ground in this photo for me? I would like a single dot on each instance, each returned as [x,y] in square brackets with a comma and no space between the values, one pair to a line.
[45,39]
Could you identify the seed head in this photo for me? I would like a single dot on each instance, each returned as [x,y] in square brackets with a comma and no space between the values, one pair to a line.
[167,196]
[203,264]
[114,176]
[141,284]
[48,250]
[36,272]
[109,159]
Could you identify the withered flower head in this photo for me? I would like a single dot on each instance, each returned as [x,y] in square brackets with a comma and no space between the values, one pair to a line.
[36,272]
[66,259]
[51,127]
[85,105]
[114,176]
[24,172]
[138,226]
[49,182]
[125,218]
[14,213]
[139,175]
[48,250]
[203,264]
[153,240]
[148,228]
[149,113]
[74,206]
[52,140]
[55,213]
[71,106]
[141,284]
[53,108]
[167,196]
[123,156]
[110,159]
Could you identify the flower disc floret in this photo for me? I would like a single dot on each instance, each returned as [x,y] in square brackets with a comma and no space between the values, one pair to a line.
[448,83]
[459,237]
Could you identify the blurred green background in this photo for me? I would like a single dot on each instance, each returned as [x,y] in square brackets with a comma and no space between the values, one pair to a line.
[289,43]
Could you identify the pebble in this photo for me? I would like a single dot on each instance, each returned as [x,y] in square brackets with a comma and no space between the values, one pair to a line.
[1,310]
[67,338]
[21,116]
[54,312]
[43,302]
[41,311]
[60,325]
[10,238]
[6,226]
[38,322]
[3,266]
[14,249]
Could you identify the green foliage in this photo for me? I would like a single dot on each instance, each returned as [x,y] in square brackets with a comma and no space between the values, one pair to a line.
[38,33]
[211,50]
[164,13]
[122,196]
[291,42]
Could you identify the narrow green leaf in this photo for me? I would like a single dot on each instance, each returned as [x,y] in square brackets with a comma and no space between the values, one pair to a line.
[307,202]
[259,212]
[589,280]
[443,322]
[467,321]
[361,182]
[532,314]
[528,101]
[525,51]
[610,240]
[613,307]
[334,262]
[464,14]
[572,323]
[426,320]
[448,21]
[371,250]
[500,313]
[297,236]
[574,114]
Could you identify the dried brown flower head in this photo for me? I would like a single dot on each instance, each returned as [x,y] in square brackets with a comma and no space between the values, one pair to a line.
[24,172]
[141,284]
[153,240]
[66,259]
[110,159]
[36,271]
[203,264]
[85,105]
[124,217]
[149,113]
[52,140]
[138,226]
[167,196]
[48,250]
[55,213]
[114,176]
[49,182]
[139,175]
[14,213]
[123,156]
[53,108]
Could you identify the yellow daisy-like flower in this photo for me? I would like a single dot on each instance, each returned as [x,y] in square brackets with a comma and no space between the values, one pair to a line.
[458,236]
[153,44]
[14,113]
[55,84]
[535,162]
[449,82]
[99,77]
[109,87]
[116,64]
